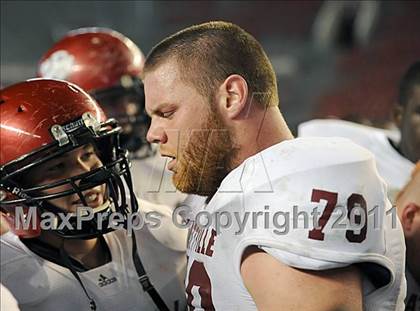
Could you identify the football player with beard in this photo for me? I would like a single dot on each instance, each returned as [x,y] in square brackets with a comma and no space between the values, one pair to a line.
[108,65]
[408,206]
[212,96]
[58,155]
[395,151]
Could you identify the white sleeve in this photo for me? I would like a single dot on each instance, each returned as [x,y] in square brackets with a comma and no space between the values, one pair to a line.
[362,135]
[23,274]
[330,128]
[166,232]
[7,301]
[294,240]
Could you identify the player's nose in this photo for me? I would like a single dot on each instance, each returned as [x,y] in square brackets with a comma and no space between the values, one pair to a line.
[156,134]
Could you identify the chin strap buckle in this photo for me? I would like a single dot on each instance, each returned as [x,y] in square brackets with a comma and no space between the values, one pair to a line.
[60,135]
[145,283]
[91,123]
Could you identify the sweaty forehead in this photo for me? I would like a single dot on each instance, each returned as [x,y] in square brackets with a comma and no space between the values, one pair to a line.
[160,84]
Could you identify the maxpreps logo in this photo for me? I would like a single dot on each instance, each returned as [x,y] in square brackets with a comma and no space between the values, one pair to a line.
[104,281]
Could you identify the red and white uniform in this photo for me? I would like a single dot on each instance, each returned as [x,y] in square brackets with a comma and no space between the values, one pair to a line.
[392,166]
[262,193]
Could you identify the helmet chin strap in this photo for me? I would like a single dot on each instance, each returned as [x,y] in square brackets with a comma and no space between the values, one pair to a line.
[116,202]
[143,278]
[83,212]
[141,272]
[96,210]
[65,258]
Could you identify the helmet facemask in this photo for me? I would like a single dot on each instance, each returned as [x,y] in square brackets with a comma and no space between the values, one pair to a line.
[112,175]
[126,103]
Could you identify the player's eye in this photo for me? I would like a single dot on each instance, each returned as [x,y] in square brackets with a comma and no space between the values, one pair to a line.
[87,153]
[86,156]
[167,114]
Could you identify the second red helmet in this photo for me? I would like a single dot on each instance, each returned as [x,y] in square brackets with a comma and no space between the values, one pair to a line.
[108,66]
[93,58]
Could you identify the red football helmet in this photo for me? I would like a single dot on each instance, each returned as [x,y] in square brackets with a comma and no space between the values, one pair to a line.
[44,119]
[107,65]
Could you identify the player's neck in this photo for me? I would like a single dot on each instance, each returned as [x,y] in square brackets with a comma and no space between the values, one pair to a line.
[88,252]
[264,131]
[91,254]
[412,260]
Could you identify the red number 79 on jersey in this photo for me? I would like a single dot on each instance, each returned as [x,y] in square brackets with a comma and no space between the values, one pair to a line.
[354,200]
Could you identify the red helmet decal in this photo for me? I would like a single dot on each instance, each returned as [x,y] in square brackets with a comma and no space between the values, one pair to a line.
[92,58]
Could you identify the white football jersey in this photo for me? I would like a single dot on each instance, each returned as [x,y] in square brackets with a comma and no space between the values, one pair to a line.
[39,284]
[392,166]
[267,198]
[7,301]
[153,182]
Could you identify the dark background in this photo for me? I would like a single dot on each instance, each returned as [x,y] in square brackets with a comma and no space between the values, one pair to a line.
[332,58]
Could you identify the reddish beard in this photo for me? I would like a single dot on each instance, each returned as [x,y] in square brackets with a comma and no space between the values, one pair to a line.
[206,159]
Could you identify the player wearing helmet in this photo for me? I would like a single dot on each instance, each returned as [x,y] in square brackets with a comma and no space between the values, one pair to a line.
[61,158]
[108,65]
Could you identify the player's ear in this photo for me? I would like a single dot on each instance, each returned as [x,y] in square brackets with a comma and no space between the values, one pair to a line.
[397,114]
[408,216]
[232,96]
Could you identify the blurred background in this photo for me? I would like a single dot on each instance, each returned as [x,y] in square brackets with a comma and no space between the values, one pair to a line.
[333,58]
